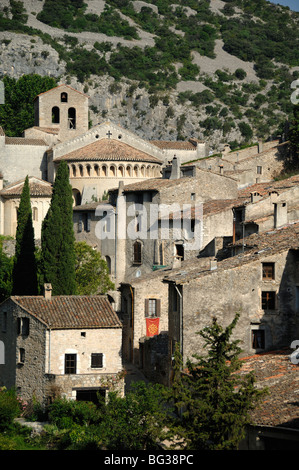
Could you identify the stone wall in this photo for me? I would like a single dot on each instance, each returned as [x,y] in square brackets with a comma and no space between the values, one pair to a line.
[222,293]
[27,376]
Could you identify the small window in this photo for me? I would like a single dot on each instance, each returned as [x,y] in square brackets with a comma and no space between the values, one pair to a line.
[152,307]
[4,322]
[35,214]
[258,339]
[72,118]
[137,252]
[70,364]
[55,115]
[63,97]
[21,355]
[23,326]
[268,271]
[268,300]
[97,360]
[259,170]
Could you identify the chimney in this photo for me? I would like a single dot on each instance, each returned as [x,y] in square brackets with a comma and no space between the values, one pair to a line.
[213,264]
[260,146]
[48,291]
[221,169]
[175,168]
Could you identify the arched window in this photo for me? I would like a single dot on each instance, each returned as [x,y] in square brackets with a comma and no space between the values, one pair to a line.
[104,170]
[63,97]
[137,252]
[74,171]
[88,168]
[96,170]
[55,115]
[72,118]
[108,261]
[35,214]
[81,170]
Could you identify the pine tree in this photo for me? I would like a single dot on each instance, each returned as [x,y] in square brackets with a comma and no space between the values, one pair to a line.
[214,405]
[24,269]
[57,239]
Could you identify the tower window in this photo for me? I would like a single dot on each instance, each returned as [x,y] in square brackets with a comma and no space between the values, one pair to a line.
[63,97]
[72,118]
[55,115]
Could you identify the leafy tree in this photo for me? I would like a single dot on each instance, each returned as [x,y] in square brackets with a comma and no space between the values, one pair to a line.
[213,401]
[136,421]
[91,271]
[17,113]
[57,238]
[6,266]
[24,269]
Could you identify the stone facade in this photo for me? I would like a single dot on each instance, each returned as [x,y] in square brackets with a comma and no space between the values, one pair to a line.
[47,348]
[268,304]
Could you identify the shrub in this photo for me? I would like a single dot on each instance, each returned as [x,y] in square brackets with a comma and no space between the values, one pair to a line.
[65,413]
[9,408]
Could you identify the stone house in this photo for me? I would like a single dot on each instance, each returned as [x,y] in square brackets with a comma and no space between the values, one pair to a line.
[261,283]
[71,344]
[256,164]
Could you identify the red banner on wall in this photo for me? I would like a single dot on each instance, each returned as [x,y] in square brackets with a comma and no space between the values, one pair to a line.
[152,326]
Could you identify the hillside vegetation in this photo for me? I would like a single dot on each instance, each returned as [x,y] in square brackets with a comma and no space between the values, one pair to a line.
[170,66]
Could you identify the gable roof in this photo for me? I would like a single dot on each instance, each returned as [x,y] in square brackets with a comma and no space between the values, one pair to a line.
[60,86]
[37,188]
[108,149]
[69,312]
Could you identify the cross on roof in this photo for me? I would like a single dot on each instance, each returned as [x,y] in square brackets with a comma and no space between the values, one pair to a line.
[109,134]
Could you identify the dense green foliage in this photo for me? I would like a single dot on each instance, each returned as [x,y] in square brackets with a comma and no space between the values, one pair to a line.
[17,114]
[57,239]
[25,268]
[213,401]
[9,408]
[6,267]
[91,271]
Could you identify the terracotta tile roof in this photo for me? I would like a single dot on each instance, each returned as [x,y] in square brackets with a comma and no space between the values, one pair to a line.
[109,149]
[71,311]
[264,188]
[276,371]
[37,187]
[91,206]
[24,141]
[155,184]
[62,85]
[176,145]
[258,246]
[48,130]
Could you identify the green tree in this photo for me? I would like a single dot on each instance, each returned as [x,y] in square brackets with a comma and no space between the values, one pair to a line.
[136,421]
[57,238]
[24,269]
[17,113]
[213,401]
[91,271]
[6,266]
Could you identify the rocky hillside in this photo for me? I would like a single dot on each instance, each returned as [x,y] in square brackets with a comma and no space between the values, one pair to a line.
[215,70]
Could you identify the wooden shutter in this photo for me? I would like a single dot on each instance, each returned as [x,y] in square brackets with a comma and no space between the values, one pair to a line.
[158,307]
[146,303]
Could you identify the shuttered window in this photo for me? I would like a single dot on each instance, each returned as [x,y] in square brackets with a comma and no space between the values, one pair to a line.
[97,360]
[70,366]
[137,248]
[152,307]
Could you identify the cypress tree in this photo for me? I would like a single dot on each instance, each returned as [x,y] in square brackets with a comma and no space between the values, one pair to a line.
[213,401]
[25,269]
[57,239]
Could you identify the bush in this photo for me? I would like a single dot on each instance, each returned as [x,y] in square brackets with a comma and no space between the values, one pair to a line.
[9,408]
[65,413]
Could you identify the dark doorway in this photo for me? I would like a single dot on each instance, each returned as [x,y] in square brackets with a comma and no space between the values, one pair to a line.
[90,394]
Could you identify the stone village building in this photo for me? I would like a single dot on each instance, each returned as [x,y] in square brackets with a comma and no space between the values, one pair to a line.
[67,344]
[260,282]
[109,159]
